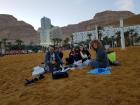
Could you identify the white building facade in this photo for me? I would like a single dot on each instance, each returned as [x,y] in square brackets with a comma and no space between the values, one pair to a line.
[106,31]
[83,36]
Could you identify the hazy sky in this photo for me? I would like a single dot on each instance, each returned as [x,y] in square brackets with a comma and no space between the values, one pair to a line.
[63,12]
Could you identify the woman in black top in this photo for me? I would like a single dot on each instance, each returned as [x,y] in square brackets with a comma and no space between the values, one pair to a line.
[70,59]
[85,50]
[101,60]
[60,53]
[84,54]
[77,54]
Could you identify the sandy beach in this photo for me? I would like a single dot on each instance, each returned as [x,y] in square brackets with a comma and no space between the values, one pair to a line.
[122,87]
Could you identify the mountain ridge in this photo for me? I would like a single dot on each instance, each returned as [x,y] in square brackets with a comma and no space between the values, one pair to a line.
[12,29]
[104,18]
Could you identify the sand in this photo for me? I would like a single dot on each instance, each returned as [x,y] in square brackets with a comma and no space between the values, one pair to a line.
[122,87]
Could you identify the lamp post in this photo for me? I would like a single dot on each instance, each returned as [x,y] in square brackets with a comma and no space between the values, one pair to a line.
[122,34]
[96,30]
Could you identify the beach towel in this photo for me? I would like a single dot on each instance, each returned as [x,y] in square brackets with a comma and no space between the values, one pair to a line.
[100,71]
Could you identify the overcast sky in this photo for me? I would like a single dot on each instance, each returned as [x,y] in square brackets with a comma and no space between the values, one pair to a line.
[63,12]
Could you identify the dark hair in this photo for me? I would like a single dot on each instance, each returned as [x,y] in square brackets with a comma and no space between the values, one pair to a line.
[77,49]
[99,43]
[42,62]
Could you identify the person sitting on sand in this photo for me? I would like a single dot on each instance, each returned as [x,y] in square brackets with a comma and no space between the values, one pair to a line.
[60,53]
[70,59]
[84,54]
[52,60]
[101,60]
[77,55]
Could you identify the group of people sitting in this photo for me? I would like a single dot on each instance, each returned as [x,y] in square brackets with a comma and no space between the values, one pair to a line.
[54,58]
[77,54]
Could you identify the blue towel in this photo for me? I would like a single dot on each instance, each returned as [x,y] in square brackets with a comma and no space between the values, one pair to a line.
[100,71]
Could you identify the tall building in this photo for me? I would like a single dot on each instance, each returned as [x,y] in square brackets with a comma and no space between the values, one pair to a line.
[48,32]
[45,32]
[45,23]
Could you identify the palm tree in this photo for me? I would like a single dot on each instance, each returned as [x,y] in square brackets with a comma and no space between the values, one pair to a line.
[107,40]
[131,32]
[118,38]
[4,41]
[89,40]
[9,45]
[66,43]
[138,39]
[31,43]
[135,36]
[89,36]
[54,40]
[82,43]
[58,40]
[127,38]
[66,40]
[19,43]
[99,28]
[71,40]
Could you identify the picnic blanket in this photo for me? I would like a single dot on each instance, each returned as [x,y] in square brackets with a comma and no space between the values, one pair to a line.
[100,71]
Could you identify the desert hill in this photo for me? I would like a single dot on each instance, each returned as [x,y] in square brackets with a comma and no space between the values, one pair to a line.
[134,20]
[12,29]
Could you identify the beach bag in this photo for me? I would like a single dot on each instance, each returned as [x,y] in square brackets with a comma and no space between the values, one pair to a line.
[62,73]
[111,57]
[59,74]
[37,71]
